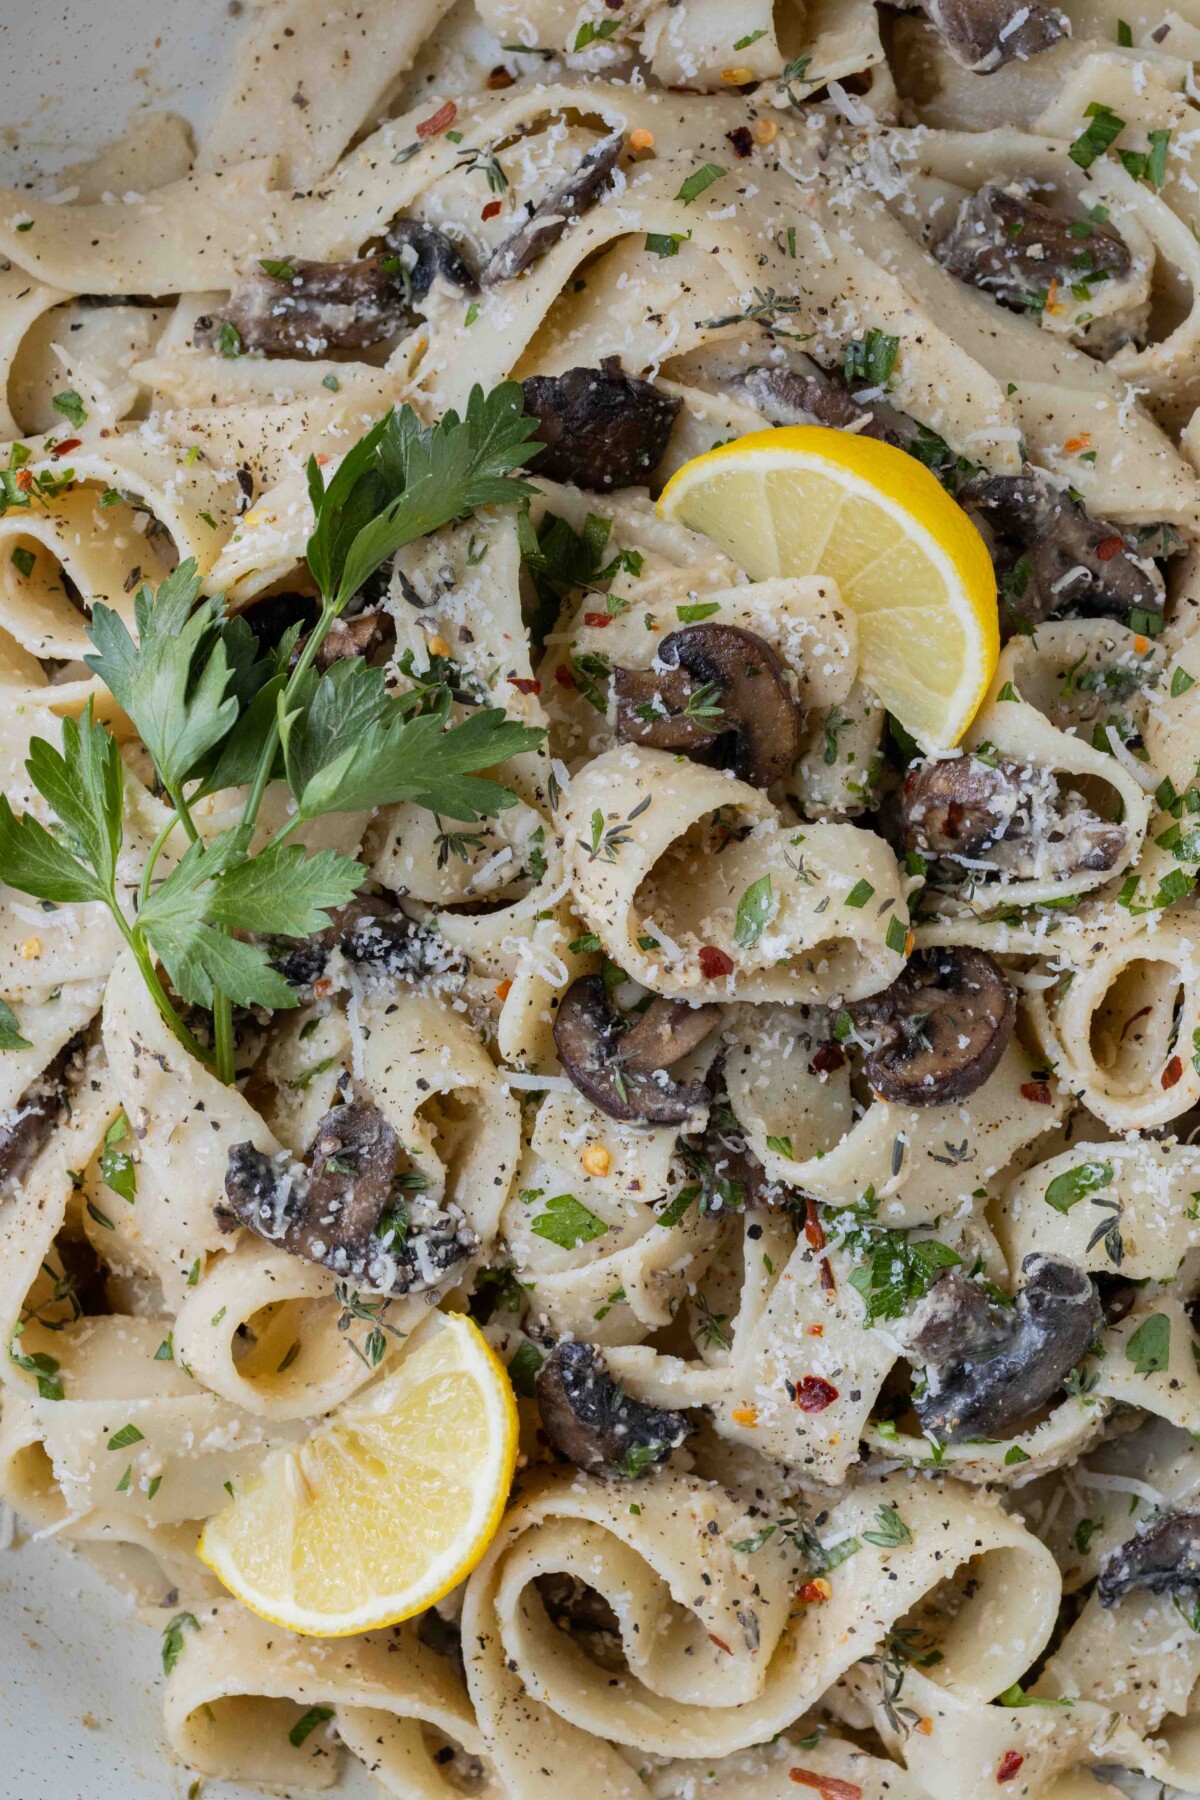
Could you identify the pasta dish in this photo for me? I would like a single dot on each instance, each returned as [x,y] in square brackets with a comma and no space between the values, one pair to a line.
[599,952]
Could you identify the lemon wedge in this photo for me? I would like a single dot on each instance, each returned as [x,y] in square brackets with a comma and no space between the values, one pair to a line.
[389,1503]
[806,500]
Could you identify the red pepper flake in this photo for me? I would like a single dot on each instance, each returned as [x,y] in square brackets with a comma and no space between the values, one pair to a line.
[720,1643]
[814,1394]
[1110,547]
[322,987]
[563,676]
[25,480]
[1010,1762]
[500,77]
[830,1787]
[828,1284]
[828,1058]
[65,448]
[524,685]
[598,621]
[1038,1092]
[441,120]
[490,210]
[741,139]
[1132,1020]
[714,963]
[815,1593]
[1172,1072]
[814,1231]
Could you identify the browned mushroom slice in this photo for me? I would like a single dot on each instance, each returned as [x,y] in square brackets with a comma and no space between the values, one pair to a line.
[1164,1558]
[1052,557]
[795,397]
[347,1210]
[373,935]
[547,222]
[1012,246]
[737,705]
[1006,817]
[956,1321]
[26,1128]
[359,636]
[592,1421]
[1001,1379]
[624,1073]
[310,308]
[984,34]
[602,428]
[938,1032]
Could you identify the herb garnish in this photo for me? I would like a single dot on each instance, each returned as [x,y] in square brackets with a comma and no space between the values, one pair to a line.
[213,712]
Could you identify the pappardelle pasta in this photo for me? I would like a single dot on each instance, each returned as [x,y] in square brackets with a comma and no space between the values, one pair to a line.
[601,742]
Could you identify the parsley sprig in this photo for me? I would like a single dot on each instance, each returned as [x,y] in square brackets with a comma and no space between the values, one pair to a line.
[214,711]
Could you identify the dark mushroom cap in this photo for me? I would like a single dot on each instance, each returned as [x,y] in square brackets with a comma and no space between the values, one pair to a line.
[745,715]
[28,1126]
[602,428]
[984,34]
[372,935]
[993,1383]
[546,224]
[940,1029]
[346,1210]
[318,307]
[590,1419]
[1054,559]
[1165,1558]
[965,809]
[624,1072]
[1011,245]
[793,396]
[359,636]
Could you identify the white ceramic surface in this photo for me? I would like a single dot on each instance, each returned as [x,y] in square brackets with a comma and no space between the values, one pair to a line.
[80,1679]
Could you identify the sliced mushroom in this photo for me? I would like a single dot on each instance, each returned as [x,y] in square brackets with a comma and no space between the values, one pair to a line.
[996,1382]
[733,1176]
[441,1635]
[1165,1558]
[721,694]
[373,936]
[1053,558]
[347,1209]
[312,308]
[270,618]
[26,1129]
[940,1029]
[1014,247]
[602,428]
[359,636]
[982,35]
[547,222]
[624,1072]
[790,396]
[1006,817]
[956,1322]
[592,1421]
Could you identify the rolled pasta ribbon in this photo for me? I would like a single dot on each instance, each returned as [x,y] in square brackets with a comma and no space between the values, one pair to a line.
[444,1097]
[304,1354]
[916,1162]
[186,1123]
[715,1665]
[1120,1035]
[178,1444]
[103,553]
[32,1215]
[241,1687]
[1144,1192]
[615,1273]
[644,831]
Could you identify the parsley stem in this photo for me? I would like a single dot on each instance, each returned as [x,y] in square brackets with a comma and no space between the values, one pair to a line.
[158,993]
[223,1035]
[152,858]
[329,612]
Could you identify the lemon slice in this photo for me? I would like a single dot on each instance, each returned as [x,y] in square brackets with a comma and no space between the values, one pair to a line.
[805,500]
[390,1502]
